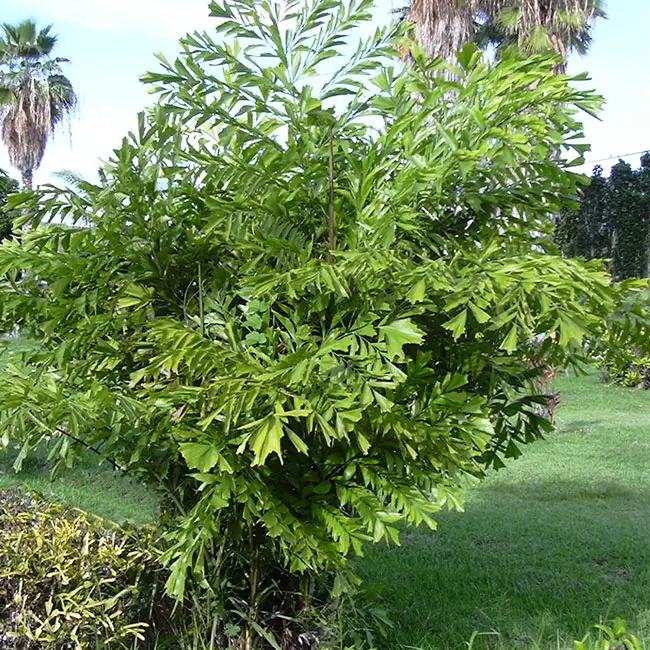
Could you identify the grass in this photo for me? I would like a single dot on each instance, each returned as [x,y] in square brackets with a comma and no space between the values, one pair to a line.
[93,488]
[557,541]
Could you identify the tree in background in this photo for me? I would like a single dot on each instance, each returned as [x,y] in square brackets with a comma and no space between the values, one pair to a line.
[612,221]
[35,96]
[7,186]
[442,26]
[583,232]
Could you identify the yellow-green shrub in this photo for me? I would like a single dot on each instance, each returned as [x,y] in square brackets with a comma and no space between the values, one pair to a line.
[69,581]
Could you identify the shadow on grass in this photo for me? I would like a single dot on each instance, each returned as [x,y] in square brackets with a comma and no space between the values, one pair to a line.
[572,426]
[558,491]
[536,564]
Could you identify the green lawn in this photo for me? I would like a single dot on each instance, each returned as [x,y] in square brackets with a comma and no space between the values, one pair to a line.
[553,543]
[95,489]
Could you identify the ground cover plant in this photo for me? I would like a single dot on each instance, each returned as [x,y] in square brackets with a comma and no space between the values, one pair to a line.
[303,320]
[70,580]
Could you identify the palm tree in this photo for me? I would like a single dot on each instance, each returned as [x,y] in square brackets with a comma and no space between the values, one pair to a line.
[532,25]
[442,26]
[541,25]
[35,96]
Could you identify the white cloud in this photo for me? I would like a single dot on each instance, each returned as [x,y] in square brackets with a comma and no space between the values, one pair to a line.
[159,17]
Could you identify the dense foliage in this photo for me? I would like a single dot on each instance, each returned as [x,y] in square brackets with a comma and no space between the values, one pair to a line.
[623,351]
[613,221]
[66,581]
[303,318]
[7,186]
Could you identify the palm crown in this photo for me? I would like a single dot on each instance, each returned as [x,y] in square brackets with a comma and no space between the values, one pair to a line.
[35,96]
[442,26]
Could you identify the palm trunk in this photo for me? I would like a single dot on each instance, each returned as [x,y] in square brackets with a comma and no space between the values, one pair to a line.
[28,179]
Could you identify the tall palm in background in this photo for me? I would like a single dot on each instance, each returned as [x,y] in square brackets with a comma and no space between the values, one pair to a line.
[442,26]
[35,96]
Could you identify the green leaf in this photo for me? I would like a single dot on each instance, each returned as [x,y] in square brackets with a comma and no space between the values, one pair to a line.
[299,372]
[208,479]
[254,321]
[480,315]
[509,343]
[322,488]
[457,324]
[417,292]
[298,442]
[266,439]
[364,443]
[400,333]
[135,295]
[385,405]
[255,338]
[199,455]
[569,330]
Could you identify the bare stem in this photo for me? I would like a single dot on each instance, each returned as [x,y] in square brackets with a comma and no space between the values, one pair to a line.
[201,314]
[332,241]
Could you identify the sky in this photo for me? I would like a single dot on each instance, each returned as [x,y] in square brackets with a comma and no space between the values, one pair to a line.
[110,43]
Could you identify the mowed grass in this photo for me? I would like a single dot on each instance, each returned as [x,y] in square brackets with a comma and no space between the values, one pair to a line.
[557,541]
[89,486]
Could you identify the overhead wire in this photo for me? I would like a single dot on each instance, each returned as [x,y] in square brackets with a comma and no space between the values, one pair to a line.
[620,155]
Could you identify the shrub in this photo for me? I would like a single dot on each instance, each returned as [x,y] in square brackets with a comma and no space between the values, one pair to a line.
[623,351]
[304,320]
[67,581]
[628,368]
[7,186]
